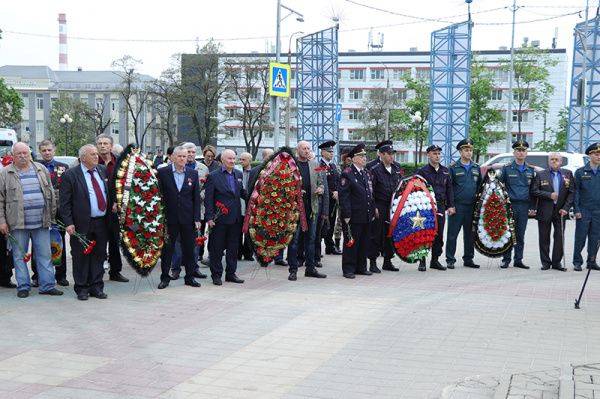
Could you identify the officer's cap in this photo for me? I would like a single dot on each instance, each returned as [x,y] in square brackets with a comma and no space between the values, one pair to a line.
[520,145]
[358,149]
[466,143]
[327,146]
[385,146]
[433,147]
[593,149]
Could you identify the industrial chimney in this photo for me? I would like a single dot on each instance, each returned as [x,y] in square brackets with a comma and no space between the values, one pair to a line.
[62,42]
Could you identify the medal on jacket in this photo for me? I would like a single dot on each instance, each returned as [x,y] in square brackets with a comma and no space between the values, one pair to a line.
[189,181]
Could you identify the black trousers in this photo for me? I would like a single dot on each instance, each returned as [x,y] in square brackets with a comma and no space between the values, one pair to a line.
[201,248]
[381,244]
[88,270]
[187,235]
[114,239]
[224,237]
[354,259]
[320,232]
[438,243]
[327,234]
[544,227]
[245,246]
[60,272]
[6,261]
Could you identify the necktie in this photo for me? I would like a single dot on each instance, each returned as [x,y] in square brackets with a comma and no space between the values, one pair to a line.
[98,191]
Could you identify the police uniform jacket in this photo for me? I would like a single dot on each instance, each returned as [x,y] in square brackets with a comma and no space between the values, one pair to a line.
[442,185]
[333,176]
[385,183]
[356,198]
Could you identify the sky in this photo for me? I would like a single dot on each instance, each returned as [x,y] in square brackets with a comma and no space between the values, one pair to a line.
[153,31]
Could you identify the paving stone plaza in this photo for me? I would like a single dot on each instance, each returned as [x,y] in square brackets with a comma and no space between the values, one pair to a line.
[462,333]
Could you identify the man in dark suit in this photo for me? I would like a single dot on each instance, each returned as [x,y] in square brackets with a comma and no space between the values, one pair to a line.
[358,211]
[84,208]
[333,182]
[224,185]
[180,190]
[553,189]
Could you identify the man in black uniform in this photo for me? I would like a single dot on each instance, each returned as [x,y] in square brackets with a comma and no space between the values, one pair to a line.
[358,210]
[371,164]
[333,179]
[466,180]
[439,178]
[385,177]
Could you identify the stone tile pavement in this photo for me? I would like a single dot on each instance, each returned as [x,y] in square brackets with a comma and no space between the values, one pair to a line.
[394,335]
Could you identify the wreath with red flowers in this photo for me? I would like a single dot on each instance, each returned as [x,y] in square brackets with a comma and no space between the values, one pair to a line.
[140,210]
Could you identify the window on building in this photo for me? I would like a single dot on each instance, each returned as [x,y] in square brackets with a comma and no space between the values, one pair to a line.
[254,94]
[500,75]
[293,93]
[114,104]
[99,103]
[520,136]
[25,126]
[496,95]
[114,128]
[25,98]
[401,94]
[231,112]
[356,94]
[399,73]
[293,74]
[402,157]
[39,128]
[340,95]
[357,74]
[354,114]
[423,73]
[521,93]
[523,116]
[39,101]
[377,74]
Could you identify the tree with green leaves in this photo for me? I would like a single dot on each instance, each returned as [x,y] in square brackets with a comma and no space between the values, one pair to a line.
[532,90]
[402,124]
[11,105]
[69,137]
[482,115]
[374,114]
[558,136]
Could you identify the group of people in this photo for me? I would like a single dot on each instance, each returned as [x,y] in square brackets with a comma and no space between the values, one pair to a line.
[353,201]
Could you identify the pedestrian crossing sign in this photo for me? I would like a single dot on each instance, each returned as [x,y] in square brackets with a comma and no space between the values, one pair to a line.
[279,79]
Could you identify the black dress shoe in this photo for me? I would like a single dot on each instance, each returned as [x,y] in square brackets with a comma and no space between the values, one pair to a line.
[234,279]
[593,266]
[449,265]
[545,267]
[560,268]
[249,258]
[374,269]
[52,292]
[293,276]
[435,264]
[8,284]
[281,262]
[35,283]
[83,296]
[23,294]
[471,265]
[99,295]
[314,273]
[422,267]
[199,274]
[577,268]
[63,282]
[521,265]
[319,264]
[333,251]
[389,266]
[349,275]
[118,277]
[175,275]
[364,273]
[217,281]
[163,285]
[504,265]
[192,283]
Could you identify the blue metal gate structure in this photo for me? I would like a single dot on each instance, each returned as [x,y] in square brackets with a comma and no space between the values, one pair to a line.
[584,105]
[317,83]
[450,87]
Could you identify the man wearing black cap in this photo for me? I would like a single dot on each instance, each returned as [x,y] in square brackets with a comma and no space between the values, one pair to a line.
[385,177]
[333,180]
[518,177]
[439,178]
[587,209]
[377,160]
[466,179]
[358,210]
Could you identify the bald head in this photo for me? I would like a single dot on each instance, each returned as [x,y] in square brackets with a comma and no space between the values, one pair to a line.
[303,150]
[266,153]
[228,159]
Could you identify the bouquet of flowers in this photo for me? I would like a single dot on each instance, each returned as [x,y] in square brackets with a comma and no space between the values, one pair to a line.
[275,207]
[140,210]
[14,245]
[413,222]
[88,245]
[493,224]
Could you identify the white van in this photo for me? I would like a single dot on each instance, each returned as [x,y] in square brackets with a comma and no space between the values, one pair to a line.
[7,138]
[571,160]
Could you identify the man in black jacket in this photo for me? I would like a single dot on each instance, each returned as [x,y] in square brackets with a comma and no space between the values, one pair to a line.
[84,208]
[553,189]
[180,190]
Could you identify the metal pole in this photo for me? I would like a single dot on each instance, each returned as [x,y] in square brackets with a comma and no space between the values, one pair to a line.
[584,76]
[288,100]
[275,102]
[387,106]
[510,81]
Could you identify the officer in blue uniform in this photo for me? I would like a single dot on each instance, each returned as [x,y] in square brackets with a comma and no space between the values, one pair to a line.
[333,183]
[439,178]
[385,177]
[357,211]
[518,177]
[587,209]
[466,180]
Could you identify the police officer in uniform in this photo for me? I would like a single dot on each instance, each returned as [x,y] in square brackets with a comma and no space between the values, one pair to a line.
[385,176]
[371,164]
[518,177]
[587,209]
[438,177]
[357,210]
[333,181]
[466,180]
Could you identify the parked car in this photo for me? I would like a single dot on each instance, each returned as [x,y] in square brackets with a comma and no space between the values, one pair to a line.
[71,161]
[538,159]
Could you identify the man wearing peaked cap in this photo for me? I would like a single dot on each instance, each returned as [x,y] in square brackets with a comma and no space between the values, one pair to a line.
[382,147]
[357,210]
[333,182]
[466,179]
[517,177]
[587,209]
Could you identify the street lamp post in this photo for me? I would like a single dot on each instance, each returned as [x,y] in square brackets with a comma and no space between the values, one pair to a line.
[416,119]
[288,99]
[66,120]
